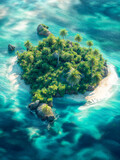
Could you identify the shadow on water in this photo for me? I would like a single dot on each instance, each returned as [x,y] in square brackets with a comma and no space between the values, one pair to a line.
[14,141]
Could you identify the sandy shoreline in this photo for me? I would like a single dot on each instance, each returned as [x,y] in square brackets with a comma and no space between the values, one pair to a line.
[104,89]
[14,75]
[101,92]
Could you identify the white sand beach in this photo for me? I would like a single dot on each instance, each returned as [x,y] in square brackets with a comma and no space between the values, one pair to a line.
[14,75]
[104,89]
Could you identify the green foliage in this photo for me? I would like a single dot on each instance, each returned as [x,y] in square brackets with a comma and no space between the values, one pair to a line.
[90,43]
[51,40]
[40,45]
[61,89]
[97,78]
[45,26]
[59,45]
[46,109]
[63,33]
[78,38]
[96,52]
[27,44]
[73,77]
[78,67]
[46,51]
[67,57]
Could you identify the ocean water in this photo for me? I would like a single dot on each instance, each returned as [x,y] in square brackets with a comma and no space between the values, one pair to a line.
[79,133]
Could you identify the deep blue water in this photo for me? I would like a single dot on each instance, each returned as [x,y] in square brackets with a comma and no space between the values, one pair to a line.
[82,134]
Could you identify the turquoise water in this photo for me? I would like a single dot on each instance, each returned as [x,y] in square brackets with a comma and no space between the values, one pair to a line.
[79,133]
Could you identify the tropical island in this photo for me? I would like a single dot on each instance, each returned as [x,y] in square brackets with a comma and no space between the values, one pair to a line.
[56,67]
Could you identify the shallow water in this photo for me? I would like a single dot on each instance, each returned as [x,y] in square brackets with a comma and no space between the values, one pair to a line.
[91,133]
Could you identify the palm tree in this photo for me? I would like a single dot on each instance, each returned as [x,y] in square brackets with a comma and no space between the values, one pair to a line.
[59,45]
[63,33]
[78,38]
[73,77]
[90,43]
[97,77]
[96,52]
[51,40]
[41,45]
[92,63]
[27,44]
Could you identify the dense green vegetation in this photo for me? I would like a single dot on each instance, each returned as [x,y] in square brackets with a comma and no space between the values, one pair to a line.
[46,109]
[58,66]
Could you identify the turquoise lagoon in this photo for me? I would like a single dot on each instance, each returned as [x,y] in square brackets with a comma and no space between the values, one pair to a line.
[80,133]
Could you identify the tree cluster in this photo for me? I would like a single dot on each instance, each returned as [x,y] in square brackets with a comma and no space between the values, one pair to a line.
[57,66]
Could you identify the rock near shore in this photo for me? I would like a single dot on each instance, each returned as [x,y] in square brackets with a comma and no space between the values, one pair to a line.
[34,105]
[11,48]
[43,30]
[42,110]
[45,112]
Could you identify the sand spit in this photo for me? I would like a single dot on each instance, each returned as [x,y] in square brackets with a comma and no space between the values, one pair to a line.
[14,75]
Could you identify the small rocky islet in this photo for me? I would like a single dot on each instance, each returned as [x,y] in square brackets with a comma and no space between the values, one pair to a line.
[43,110]
[43,30]
[56,67]
[11,48]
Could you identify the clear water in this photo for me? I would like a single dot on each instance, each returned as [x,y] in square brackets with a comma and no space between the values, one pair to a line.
[82,134]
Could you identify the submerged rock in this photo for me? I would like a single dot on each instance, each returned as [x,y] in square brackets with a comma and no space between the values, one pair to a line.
[34,105]
[44,112]
[11,48]
[43,30]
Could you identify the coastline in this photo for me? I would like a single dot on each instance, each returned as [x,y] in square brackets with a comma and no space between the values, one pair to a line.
[14,75]
[104,89]
[101,92]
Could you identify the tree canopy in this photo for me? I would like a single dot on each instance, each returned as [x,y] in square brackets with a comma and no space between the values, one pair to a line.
[73,77]
[90,43]
[78,38]
[27,44]
[63,33]
[79,67]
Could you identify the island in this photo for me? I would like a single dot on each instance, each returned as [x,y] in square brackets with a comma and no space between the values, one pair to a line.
[57,66]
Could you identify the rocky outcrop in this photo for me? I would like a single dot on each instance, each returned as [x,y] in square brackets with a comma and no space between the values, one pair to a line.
[11,48]
[105,70]
[34,105]
[43,30]
[44,112]
[90,88]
